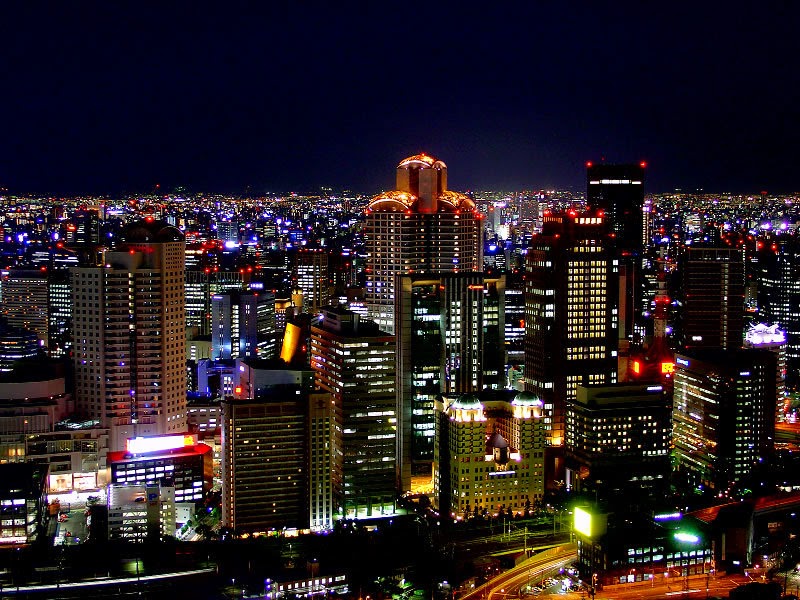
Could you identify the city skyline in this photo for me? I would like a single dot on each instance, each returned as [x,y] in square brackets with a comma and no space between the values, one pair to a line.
[119,99]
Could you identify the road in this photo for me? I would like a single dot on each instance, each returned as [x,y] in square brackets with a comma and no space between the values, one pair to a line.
[508,583]
[699,587]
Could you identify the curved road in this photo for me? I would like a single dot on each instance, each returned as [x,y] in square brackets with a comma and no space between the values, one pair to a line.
[523,573]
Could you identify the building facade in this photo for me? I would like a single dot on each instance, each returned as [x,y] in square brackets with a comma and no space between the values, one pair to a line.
[449,330]
[571,313]
[723,420]
[713,288]
[129,335]
[354,361]
[264,464]
[618,440]
[419,226]
[489,455]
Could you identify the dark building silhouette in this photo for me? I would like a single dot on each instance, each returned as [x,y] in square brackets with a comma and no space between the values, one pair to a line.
[618,190]
[713,289]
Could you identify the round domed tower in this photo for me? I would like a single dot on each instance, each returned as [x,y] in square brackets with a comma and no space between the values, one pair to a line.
[424,177]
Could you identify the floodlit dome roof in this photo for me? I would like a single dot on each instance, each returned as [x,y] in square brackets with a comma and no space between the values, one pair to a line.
[151,231]
[455,201]
[467,402]
[419,161]
[526,399]
[394,200]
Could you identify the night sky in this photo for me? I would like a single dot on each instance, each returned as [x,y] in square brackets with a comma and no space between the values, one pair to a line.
[279,96]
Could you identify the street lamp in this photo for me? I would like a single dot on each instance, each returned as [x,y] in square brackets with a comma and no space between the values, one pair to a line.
[688,539]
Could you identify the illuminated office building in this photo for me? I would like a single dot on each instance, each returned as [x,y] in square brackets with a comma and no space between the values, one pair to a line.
[25,301]
[39,301]
[201,286]
[449,330]
[713,288]
[618,439]
[264,464]
[129,335]
[489,454]
[312,278]
[23,502]
[243,325]
[617,192]
[571,314]
[419,226]
[770,337]
[355,362]
[723,420]
[779,296]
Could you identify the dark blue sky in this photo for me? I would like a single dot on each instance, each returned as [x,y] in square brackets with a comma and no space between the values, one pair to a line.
[109,97]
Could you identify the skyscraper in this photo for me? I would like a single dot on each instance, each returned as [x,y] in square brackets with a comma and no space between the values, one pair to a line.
[264,461]
[723,420]
[311,277]
[419,226]
[779,296]
[243,325]
[713,287]
[449,329]
[571,314]
[618,191]
[129,335]
[355,362]
[40,301]
[25,301]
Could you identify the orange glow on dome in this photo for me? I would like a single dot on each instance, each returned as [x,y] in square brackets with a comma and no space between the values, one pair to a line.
[391,201]
[456,201]
[418,160]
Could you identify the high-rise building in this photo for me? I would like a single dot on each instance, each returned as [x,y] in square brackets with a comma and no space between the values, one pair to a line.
[201,286]
[83,228]
[25,301]
[312,278]
[769,337]
[618,191]
[243,325]
[449,329]
[129,335]
[723,420]
[355,362]
[59,313]
[39,301]
[713,288]
[419,226]
[325,461]
[514,319]
[779,296]
[489,454]
[264,462]
[571,313]
[618,440]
